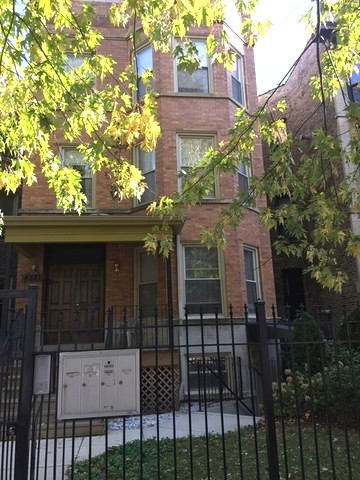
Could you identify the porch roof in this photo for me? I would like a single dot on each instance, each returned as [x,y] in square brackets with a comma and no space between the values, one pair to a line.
[87,228]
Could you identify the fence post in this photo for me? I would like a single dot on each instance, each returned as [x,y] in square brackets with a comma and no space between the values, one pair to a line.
[25,398]
[266,382]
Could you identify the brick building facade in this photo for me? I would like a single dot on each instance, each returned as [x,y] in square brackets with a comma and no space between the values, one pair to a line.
[304,115]
[97,261]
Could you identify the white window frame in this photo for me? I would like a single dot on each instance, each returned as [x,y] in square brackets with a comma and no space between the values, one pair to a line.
[141,69]
[256,277]
[204,64]
[182,167]
[62,154]
[183,279]
[238,77]
[145,174]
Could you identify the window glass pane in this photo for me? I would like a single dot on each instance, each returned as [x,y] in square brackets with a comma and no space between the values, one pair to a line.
[193,149]
[146,160]
[235,69]
[200,47]
[144,61]
[87,189]
[251,277]
[74,158]
[203,291]
[252,295]
[237,90]
[237,80]
[197,81]
[201,258]
[146,163]
[243,183]
[202,280]
[249,265]
[149,193]
[73,62]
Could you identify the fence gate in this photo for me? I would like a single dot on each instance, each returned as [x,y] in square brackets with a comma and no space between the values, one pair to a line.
[16,374]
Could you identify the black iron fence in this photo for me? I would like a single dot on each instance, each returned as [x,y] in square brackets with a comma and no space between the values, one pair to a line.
[233,397]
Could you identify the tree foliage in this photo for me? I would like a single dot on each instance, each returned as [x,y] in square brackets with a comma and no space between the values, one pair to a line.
[42,100]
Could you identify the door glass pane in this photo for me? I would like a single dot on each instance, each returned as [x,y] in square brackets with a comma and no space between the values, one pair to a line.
[147,296]
[148,268]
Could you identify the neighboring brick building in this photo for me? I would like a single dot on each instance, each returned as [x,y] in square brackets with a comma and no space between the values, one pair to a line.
[304,115]
[90,263]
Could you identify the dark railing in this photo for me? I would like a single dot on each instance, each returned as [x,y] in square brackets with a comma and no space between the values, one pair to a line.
[296,389]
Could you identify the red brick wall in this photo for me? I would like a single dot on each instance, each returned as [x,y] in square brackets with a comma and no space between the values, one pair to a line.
[303,115]
[178,113]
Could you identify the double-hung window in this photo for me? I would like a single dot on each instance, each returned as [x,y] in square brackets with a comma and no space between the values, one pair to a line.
[197,81]
[202,280]
[237,80]
[145,162]
[192,148]
[73,158]
[144,66]
[251,277]
[243,172]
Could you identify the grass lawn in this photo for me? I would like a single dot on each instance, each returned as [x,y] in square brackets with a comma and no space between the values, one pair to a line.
[325,457]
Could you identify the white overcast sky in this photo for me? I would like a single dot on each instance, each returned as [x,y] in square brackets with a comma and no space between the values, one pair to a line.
[283,43]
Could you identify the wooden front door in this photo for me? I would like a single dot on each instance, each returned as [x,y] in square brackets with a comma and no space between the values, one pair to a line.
[75,312]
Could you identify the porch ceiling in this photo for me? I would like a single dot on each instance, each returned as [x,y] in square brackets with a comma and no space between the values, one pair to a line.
[73,229]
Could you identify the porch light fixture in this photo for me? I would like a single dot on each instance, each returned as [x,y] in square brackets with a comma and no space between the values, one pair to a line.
[116,268]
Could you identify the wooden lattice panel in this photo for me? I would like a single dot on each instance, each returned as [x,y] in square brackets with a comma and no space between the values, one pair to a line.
[160,389]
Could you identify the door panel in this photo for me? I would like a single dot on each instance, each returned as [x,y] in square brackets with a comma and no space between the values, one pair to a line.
[75,304]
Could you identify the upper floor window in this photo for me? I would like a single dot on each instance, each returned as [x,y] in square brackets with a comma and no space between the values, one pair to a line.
[197,81]
[145,161]
[144,64]
[243,172]
[73,62]
[72,157]
[251,277]
[202,280]
[192,148]
[237,80]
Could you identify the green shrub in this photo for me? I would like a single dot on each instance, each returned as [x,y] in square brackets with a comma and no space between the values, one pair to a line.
[308,346]
[334,390]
